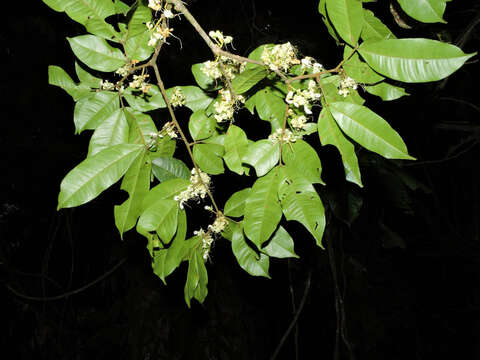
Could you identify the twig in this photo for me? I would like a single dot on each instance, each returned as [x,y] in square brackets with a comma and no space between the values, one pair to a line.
[295,318]
[70,293]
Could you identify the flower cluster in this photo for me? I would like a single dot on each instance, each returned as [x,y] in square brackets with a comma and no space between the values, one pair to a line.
[298,122]
[219,38]
[219,224]
[226,106]
[279,57]
[207,241]
[177,99]
[284,136]
[231,68]
[139,82]
[158,32]
[106,85]
[199,184]
[310,63]
[124,70]
[303,97]
[345,86]
[170,129]
[155,4]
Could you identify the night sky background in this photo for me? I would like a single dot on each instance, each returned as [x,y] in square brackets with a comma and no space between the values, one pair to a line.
[405,247]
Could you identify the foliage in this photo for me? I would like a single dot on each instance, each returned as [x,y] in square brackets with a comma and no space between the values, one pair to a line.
[273,83]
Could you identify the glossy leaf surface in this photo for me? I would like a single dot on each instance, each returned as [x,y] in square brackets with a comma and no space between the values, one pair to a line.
[256,265]
[165,168]
[92,111]
[347,18]
[112,131]
[235,205]
[427,11]
[263,155]
[281,245]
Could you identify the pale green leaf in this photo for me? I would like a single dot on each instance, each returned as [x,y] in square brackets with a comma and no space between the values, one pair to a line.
[161,217]
[209,158]
[262,209]
[281,245]
[136,182]
[96,53]
[92,111]
[112,131]
[322,9]
[248,78]
[386,91]
[121,7]
[330,134]
[256,265]
[145,102]
[413,60]
[58,77]
[86,78]
[141,127]
[374,29]
[235,205]
[236,144]
[165,190]
[57,5]
[262,155]
[357,69]
[347,18]
[203,80]
[137,48]
[165,168]
[201,126]
[96,173]
[197,278]
[300,202]
[195,98]
[270,107]
[92,14]
[304,159]
[369,130]
[427,11]
[140,17]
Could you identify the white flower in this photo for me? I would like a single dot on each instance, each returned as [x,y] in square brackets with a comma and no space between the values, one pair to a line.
[199,184]
[285,136]
[225,108]
[157,32]
[170,129]
[345,86]
[211,69]
[168,14]
[317,67]
[106,85]
[219,38]
[123,71]
[139,82]
[178,99]
[219,224]
[279,57]
[155,4]
[298,122]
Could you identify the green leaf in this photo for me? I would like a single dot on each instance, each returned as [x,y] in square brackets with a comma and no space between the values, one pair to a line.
[165,168]
[347,18]
[121,7]
[86,78]
[195,98]
[248,78]
[112,131]
[165,190]
[427,11]
[137,48]
[165,261]
[91,112]
[57,5]
[203,80]
[96,173]
[374,29]
[357,69]
[301,203]
[201,126]
[386,91]
[58,77]
[92,14]
[197,278]
[256,55]
[330,134]
[160,217]
[304,159]
[262,155]
[262,209]
[281,245]
[270,107]
[145,102]
[236,144]
[322,9]
[413,60]
[209,158]
[96,53]
[140,17]
[136,182]
[369,130]
[250,104]
[235,205]
[141,126]
[256,265]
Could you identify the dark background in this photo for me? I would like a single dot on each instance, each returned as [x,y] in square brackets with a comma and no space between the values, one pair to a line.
[407,261]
